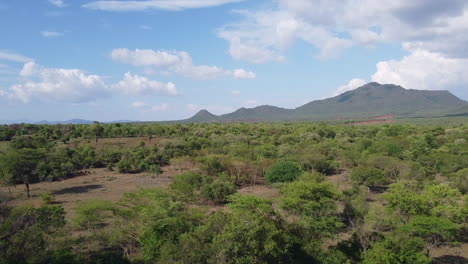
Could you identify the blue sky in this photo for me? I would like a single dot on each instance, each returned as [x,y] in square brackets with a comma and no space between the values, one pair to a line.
[167,59]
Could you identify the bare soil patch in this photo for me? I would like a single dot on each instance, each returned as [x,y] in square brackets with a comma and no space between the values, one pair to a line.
[98,184]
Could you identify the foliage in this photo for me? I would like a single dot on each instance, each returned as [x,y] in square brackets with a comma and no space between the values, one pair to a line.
[218,190]
[400,250]
[25,233]
[369,176]
[283,171]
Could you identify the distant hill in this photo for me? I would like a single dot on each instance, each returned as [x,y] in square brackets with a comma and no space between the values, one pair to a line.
[370,100]
[72,121]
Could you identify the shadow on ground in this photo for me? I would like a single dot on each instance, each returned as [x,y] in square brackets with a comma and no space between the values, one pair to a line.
[78,189]
[450,260]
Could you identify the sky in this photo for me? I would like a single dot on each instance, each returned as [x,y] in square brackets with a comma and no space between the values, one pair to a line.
[152,60]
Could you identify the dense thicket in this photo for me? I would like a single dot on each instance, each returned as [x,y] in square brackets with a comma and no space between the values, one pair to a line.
[403,193]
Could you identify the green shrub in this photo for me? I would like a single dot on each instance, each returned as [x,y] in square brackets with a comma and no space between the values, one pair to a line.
[219,189]
[187,183]
[156,169]
[369,176]
[47,198]
[124,166]
[283,171]
[324,166]
[91,214]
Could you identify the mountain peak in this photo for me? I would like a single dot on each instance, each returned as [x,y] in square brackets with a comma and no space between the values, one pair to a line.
[203,116]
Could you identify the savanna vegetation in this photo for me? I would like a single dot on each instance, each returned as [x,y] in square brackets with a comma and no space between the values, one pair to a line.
[392,193]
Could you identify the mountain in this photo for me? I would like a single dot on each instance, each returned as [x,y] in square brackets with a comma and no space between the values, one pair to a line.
[203,116]
[370,100]
[72,121]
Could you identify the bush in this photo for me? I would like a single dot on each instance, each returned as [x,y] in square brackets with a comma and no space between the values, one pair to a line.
[47,198]
[187,183]
[124,166]
[91,214]
[324,166]
[283,171]
[219,189]
[156,169]
[369,176]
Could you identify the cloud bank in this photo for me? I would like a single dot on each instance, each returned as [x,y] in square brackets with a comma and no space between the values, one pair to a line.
[177,62]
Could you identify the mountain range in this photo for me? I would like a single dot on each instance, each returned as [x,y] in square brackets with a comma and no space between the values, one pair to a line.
[368,101]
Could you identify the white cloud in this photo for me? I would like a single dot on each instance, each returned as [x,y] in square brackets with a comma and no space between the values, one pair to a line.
[235,92]
[243,74]
[179,62]
[145,57]
[75,86]
[424,70]
[351,85]
[57,3]
[51,34]
[11,56]
[173,5]
[49,84]
[2,93]
[135,85]
[138,104]
[331,26]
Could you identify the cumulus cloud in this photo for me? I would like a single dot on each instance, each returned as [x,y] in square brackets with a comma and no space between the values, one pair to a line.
[331,26]
[178,62]
[243,74]
[422,70]
[70,85]
[351,85]
[57,3]
[15,57]
[76,86]
[51,34]
[172,5]
[135,85]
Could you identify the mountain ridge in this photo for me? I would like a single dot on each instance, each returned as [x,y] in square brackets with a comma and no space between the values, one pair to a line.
[370,100]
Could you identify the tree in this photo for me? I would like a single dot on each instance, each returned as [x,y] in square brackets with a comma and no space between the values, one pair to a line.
[283,171]
[21,164]
[405,198]
[218,190]
[433,230]
[368,176]
[24,233]
[254,233]
[315,203]
[397,250]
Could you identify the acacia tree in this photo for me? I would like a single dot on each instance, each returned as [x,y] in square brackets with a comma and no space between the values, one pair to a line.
[433,230]
[21,164]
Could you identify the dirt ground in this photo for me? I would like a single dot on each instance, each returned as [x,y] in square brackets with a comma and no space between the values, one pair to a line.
[97,184]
